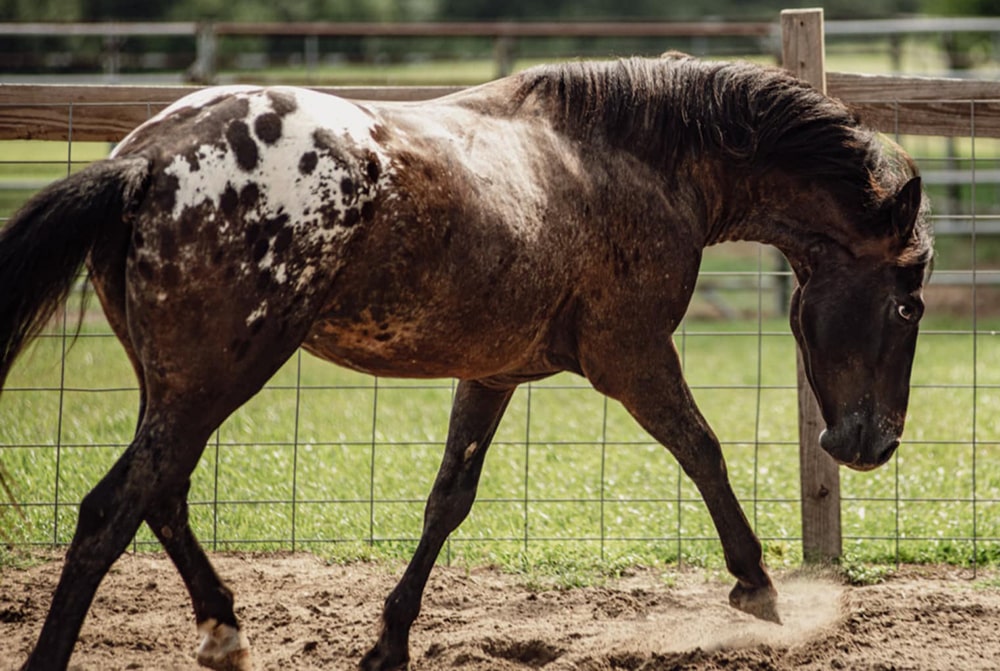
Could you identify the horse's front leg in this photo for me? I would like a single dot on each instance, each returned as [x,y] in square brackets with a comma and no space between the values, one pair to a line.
[475,414]
[655,393]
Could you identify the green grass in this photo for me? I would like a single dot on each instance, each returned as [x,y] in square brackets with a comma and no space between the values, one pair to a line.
[571,484]
[25,164]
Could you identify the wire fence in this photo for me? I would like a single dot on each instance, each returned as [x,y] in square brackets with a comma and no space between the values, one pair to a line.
[340,463]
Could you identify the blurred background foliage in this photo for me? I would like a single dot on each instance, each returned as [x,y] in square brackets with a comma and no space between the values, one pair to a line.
[454,10]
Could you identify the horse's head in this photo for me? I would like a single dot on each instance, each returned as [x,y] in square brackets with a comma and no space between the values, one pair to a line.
[855,316]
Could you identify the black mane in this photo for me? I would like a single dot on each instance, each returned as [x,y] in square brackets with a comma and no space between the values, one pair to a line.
[753,117]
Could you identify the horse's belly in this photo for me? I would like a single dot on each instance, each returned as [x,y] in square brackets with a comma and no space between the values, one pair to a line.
[436,349]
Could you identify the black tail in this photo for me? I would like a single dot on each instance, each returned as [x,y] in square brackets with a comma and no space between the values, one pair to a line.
[44,245]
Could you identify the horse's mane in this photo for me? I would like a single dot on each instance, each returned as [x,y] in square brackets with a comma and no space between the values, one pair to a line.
[753,117]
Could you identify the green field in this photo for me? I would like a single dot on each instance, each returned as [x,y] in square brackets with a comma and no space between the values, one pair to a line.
[339,463]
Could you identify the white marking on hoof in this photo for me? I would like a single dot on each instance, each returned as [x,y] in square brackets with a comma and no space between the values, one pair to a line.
[223,647]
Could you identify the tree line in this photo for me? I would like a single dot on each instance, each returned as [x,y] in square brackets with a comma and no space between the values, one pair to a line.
[456,10]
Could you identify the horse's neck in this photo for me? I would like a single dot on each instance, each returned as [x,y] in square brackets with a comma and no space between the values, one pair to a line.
[777,210]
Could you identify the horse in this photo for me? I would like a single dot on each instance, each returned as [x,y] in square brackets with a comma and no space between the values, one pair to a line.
[550,221]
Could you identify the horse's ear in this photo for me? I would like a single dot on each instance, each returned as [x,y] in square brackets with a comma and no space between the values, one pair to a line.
[905,208]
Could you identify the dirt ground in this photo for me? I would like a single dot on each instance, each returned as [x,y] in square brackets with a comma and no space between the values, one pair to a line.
[302,614]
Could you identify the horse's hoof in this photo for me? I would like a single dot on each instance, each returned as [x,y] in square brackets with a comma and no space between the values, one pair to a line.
[761,602]
[380,660]
[223,647]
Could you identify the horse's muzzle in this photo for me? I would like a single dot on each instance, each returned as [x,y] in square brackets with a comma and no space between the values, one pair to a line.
[856,450]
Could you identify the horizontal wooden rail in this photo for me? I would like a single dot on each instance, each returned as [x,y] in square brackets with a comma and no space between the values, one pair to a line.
[905,105]
[399,29]
[921,105]
[501,29]
[108,113]
[936,25]
[109,28]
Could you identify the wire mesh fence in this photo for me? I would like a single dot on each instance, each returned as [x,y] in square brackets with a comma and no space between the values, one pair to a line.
[336,462]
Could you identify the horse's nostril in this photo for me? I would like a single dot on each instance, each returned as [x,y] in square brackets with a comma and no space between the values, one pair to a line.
[887,451]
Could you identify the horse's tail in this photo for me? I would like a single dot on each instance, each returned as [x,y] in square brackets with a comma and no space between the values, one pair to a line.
[44,245]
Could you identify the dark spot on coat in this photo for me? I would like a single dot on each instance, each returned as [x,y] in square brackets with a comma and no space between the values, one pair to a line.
[347,187]
[252,232]
[268,127]
[383,337]
[229,200]
[352,217]
[264,281]
[274,224]
[165,192]
[323,139]
[282,103]
[138,241]
[257,324]
[243,146]
[368,211]
[282,240]
[145,269]
[218,257]
[373,169]
[260,249]
[379,133]
[308,162]
[194,162]
[249,195]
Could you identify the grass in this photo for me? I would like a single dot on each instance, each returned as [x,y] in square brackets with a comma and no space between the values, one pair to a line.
[861,574]
[341,466]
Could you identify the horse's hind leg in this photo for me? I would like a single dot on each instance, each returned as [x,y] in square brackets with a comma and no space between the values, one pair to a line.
[475,414]
[224,646]
[152,473]
[109,517]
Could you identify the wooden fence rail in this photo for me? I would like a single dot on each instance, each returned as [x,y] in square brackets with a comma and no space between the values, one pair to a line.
[904,105]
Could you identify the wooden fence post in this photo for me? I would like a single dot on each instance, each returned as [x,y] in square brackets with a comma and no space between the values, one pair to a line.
[203,70]
[803,54]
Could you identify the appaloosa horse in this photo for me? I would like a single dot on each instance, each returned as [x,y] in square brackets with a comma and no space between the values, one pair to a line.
[550,221]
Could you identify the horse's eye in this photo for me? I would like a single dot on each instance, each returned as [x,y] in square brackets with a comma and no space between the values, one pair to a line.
[906,312]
